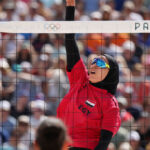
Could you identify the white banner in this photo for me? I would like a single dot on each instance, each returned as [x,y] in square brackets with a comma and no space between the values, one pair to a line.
[75,27]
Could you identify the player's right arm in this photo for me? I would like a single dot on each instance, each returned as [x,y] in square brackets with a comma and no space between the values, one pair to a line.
[72,51]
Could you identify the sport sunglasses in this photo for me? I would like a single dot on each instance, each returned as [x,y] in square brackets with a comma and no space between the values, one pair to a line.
[100,63]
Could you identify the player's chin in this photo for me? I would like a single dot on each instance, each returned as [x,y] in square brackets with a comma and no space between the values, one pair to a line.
[93,79]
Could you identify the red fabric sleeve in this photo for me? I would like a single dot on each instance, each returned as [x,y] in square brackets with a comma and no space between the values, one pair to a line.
[111,115]
[78,74]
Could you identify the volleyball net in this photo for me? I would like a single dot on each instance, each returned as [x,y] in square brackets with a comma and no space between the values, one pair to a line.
[33,62]
[118,38]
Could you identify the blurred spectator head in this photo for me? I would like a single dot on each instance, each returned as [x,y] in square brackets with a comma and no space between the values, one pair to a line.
[110,3]
[58,8]
[47,49]
[46,55]
[4,64]
[23,124]
[96,15]
[44,62]
[122,101]
[134,139]
[26,66]
[128,45]
[4,110]
[39,41]
[24,119]
[128,49]
[40,96]
[111,146]
[51,134]
[5,105]
[134,136]
[146,63]
[84,18]
[38,108]
[9,6]
[25,46]
[34,7]
[127,93]
[137,69]
[108,39]
[129,6]
[144,119]
[126,117]
[130,11]
[120,137]
[24,54]
[60,62]
[136,111]
[43,58]
[125,146]
[81,47]
[58,2]
[106,12]
[22,11]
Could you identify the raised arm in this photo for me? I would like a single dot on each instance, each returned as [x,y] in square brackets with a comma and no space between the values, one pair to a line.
[73,55]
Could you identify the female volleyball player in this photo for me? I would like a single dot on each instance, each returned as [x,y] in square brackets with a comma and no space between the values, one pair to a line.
[90,109]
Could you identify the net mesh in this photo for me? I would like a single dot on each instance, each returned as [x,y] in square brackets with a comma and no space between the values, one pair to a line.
[33,76]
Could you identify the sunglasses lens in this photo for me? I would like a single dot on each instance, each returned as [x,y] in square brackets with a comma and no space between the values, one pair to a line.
[99,62]
[94,61]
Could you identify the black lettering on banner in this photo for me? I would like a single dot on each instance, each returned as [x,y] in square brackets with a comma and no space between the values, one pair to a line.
[144,26]
[137,25]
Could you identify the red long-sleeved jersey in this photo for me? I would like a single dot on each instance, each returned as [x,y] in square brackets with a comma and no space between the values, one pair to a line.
[87,109]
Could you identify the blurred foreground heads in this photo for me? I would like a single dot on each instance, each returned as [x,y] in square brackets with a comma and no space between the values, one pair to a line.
[51,134]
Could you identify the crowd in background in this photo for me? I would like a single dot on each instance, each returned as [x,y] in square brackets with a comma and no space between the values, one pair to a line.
[33,69]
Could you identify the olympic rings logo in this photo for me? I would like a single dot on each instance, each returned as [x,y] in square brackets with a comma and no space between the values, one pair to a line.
[52,26]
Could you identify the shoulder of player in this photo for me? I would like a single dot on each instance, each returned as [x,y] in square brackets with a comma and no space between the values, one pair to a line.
[110,100]
[108,97]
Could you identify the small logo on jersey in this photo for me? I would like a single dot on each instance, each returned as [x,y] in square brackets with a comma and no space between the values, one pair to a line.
[84,110]
[91,104]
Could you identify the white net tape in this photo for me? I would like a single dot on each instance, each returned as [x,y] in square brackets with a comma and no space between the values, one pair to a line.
[75,27]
